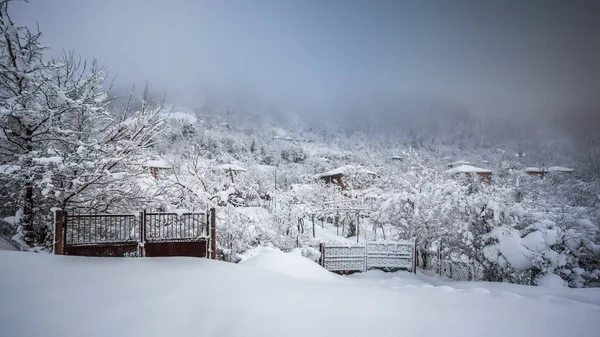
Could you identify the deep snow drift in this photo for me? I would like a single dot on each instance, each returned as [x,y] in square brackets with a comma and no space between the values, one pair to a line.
[44,295]
[293,265]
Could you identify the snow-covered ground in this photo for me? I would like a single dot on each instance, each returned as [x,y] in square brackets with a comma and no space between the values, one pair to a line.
[269,295]
[6,245]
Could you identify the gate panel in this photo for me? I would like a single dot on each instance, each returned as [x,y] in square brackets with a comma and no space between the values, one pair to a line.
[181,248]
[373,255]
[344,258]
[146,234]
[168,226]
[103,250]
[389,255]
[172,234]
[111,235]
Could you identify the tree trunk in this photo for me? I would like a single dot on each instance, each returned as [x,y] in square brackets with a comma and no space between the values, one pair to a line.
[27,219]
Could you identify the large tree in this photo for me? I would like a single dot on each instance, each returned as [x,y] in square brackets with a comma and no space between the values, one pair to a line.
[72,151]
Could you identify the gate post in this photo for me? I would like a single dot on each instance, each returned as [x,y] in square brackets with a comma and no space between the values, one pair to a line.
[142,241]
[58,231]
[322,251]
[213,234]
[414,257]
[366,259]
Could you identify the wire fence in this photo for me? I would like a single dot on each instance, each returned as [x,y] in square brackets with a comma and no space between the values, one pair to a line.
[454,269]
[451,269]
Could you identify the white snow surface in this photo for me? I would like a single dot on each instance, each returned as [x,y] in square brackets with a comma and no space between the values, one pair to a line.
[66,296]
[6,245]
[292,265]
[551,280]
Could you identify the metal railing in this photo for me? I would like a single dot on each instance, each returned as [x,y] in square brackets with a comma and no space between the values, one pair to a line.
[169,226]
[101,228]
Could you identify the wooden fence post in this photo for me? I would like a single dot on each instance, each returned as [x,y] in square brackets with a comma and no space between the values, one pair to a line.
[213,234]
[58,231]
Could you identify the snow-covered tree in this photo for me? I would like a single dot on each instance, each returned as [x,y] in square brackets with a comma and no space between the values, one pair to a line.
[71,150]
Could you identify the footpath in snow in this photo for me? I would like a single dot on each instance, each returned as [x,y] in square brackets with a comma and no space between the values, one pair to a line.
[272,294]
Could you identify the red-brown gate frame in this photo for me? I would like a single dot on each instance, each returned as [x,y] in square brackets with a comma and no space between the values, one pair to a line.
[196,237]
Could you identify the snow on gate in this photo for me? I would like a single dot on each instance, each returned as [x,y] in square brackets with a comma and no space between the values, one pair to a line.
[372,255]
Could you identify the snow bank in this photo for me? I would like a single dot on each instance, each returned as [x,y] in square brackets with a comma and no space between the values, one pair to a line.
[65,296]
[290,264]
[250,253]
[551,280]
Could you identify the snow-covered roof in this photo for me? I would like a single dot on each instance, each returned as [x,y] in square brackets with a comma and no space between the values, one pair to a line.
[9,169]
[549,169]
[232,167]
[559,169]
[343,170]
[158,164]
[467,169]
[339,170]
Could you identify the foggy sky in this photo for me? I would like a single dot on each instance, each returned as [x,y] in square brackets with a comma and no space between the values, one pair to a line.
[336,53]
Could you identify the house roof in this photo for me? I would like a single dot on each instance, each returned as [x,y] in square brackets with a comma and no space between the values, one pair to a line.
[467,169]
[559,169]
[343,170]
[232,167]
[549,169]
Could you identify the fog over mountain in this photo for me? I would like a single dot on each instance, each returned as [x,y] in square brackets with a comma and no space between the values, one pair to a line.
[513,69]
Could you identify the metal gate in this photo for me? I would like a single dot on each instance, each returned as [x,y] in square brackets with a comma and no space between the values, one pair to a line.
[387,256]
[144,234]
